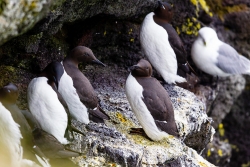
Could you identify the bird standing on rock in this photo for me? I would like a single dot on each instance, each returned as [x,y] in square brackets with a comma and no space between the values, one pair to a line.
[37,144]
[162,45]
[82,85]
[44,103]
[215,57]
[150,102]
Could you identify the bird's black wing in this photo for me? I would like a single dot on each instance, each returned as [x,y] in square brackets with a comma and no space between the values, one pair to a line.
[159,104]
[176,44]
[179,50]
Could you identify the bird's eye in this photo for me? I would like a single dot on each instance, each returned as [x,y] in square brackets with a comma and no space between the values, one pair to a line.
[204,42]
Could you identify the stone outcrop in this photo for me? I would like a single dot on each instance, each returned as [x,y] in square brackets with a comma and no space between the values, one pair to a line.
[34,33]
[17,17]
[112,143]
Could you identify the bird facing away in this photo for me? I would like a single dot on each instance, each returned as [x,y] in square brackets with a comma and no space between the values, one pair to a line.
[11,151]
[215,57]
[44,103]
[150,102]
[156,38]
[163,17]
[82,85]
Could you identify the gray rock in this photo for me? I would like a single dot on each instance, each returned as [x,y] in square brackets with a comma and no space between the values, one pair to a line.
[16,17]
[218,152]
[228,90]
[112,143]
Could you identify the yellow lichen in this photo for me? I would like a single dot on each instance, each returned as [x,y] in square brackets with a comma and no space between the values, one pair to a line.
[226,141]
[234,147]
[33,5]
[220,153]
[221,129]
[198,26]
[246,165]
[178,30]
[130,31]
[121,117]
[208,153]
[203,5]
[132,40]
[203,164]
[191,27]
[104,33]
[124,125]
[221,10]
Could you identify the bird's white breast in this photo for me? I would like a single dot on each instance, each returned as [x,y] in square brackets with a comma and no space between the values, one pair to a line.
[76,108]
[47,109]
[205,56]
[155,44]
[134,95]
[10,136]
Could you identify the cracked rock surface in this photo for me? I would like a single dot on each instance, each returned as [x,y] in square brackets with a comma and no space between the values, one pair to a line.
[112,144]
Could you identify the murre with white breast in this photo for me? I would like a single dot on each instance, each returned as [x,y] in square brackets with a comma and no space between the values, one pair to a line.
[82,85]
[161,44]
[150,102]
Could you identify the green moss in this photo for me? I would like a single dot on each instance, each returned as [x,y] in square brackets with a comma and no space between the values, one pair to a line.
[8,74]
[2,5]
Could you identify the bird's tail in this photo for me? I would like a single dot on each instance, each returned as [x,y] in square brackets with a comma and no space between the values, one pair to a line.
[98,115]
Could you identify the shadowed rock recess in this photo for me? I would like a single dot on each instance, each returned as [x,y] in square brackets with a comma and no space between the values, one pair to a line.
[35,33]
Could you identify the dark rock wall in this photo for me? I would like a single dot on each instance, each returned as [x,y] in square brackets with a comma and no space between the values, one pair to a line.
[111,29]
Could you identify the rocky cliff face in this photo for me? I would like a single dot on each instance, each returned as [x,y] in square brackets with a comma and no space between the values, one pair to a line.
[35,33]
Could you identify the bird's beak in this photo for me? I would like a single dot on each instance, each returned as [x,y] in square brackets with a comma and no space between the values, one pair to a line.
[204,42]
[96,61]
[185,67]
[56,81]
[160,4]
[134,67]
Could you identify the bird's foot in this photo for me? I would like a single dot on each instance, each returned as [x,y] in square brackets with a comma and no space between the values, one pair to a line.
[77,131]
[138,131]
